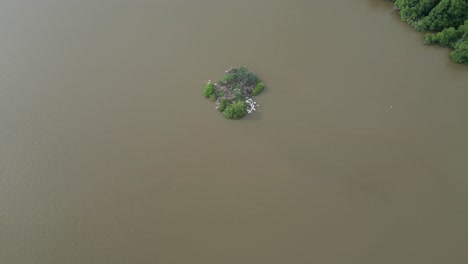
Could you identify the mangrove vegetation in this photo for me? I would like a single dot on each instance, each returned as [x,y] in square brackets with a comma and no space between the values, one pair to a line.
[445,20]
[233,93]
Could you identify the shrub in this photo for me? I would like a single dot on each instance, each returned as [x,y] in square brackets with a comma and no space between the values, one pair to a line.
[224,104]
[258,89]
[236,110]
[213,97]
[460,54]
[463,29]
[209,90]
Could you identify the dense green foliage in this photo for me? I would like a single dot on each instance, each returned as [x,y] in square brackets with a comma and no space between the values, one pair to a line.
[223,105]
[413,10]
[448,18]
[236,110]
[460,54]
[209,90]
[258,89]
[446,37]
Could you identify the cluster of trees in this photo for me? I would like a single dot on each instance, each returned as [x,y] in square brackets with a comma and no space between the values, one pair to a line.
[446,19]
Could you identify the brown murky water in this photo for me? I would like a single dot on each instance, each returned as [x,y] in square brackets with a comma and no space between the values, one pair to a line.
[109,153]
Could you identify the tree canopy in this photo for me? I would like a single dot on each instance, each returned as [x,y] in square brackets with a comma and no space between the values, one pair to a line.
[446,19]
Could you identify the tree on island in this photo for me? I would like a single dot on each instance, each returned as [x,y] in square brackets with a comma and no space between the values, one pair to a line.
[236,110]
[233,92]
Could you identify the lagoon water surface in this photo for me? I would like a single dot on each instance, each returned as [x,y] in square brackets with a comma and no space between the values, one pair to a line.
[110,154]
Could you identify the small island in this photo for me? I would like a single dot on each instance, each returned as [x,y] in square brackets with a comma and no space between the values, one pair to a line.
[233,93]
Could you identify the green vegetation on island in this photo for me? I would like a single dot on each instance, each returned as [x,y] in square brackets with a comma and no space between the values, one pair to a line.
[235,110]
[233,93]
[447,20]
[258,89]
